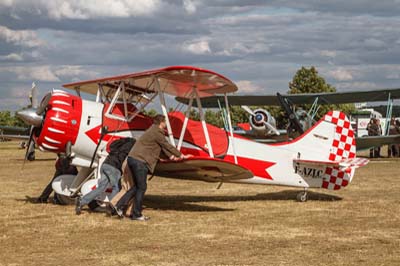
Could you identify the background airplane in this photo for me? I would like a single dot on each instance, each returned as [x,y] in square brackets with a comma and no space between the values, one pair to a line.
[261,121]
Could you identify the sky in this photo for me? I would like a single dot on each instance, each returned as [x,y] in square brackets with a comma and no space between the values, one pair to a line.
[355,45]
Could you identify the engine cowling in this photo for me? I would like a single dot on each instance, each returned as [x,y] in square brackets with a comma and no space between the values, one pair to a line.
[257,122]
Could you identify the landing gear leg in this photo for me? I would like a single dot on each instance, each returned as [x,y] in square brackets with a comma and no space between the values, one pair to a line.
[302,196]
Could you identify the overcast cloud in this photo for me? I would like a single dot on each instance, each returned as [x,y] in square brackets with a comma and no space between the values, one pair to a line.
[257,44]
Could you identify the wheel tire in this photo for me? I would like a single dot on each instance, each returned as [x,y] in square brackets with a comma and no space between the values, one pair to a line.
[64,200]
[93,205]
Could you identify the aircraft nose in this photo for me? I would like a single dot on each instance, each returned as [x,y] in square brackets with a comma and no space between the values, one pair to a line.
[30,117]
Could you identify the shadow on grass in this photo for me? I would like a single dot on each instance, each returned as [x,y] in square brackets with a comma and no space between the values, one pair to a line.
[34,200]
[184,203]
[50,200]
[187,203]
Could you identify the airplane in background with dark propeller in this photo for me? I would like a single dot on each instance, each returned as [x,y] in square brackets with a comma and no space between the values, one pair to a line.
[262,125]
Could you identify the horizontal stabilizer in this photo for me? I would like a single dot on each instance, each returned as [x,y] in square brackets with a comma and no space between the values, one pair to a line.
[345,163]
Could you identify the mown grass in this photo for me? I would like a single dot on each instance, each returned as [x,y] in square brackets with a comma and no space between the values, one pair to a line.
[193,223]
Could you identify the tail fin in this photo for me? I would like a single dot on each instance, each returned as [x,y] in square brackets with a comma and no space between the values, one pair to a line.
[329,143]
[344,143]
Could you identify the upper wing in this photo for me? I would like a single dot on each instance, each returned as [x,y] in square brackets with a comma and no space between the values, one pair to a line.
[375,141]
[204,169]
[175,80]
[309,98]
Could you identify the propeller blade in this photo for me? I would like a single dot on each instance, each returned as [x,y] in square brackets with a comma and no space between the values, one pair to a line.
[43,104]
[28,146]
[294,121]
[34,96]
[247,109]
[272,128]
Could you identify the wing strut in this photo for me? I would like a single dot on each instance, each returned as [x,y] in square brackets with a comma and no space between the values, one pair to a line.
[164,110]
[389,110]
[232,139]
[187,113]
[203,123]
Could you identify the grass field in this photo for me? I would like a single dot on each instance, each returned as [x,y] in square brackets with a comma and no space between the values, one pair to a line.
[193,223]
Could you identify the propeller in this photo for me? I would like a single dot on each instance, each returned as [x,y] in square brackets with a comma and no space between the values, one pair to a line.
[268,125]
[294,120]
[32,117]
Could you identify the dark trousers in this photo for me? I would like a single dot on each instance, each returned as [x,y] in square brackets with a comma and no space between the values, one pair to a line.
[375,152]
[393,150]
[139,171]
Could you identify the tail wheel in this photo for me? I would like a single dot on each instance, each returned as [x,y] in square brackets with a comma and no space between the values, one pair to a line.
[302,196]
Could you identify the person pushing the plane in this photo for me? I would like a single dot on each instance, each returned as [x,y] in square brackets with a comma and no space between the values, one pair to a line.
[110,171]
[142,159]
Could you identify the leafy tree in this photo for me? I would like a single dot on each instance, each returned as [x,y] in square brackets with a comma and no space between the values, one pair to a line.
[238,115]
[7,119]
[307,80]
[152,112]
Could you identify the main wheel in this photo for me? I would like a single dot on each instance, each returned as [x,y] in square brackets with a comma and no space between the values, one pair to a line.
[93,205]
[63,200]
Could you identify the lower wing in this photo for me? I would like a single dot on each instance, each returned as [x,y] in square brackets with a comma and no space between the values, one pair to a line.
[204,169]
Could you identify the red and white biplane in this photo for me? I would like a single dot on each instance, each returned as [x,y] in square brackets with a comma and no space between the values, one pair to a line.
[322,157]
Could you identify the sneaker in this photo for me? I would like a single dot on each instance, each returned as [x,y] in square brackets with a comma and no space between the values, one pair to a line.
[116,210]
[140,218]
[78,207]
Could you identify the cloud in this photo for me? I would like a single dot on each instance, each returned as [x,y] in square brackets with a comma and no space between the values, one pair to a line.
[353,86]
[11,57]
[328,53]
[88,9]
[372,42]
[260,44]
[341,74]
[75,73]
[393,76]
[197,47]
[189,6]
[246,86]
[20,37]
[36,73]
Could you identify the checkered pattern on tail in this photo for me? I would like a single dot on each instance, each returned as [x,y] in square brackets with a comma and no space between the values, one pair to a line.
[343,147]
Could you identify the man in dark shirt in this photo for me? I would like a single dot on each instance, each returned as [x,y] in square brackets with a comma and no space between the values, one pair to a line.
[143,159]
[110,171]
